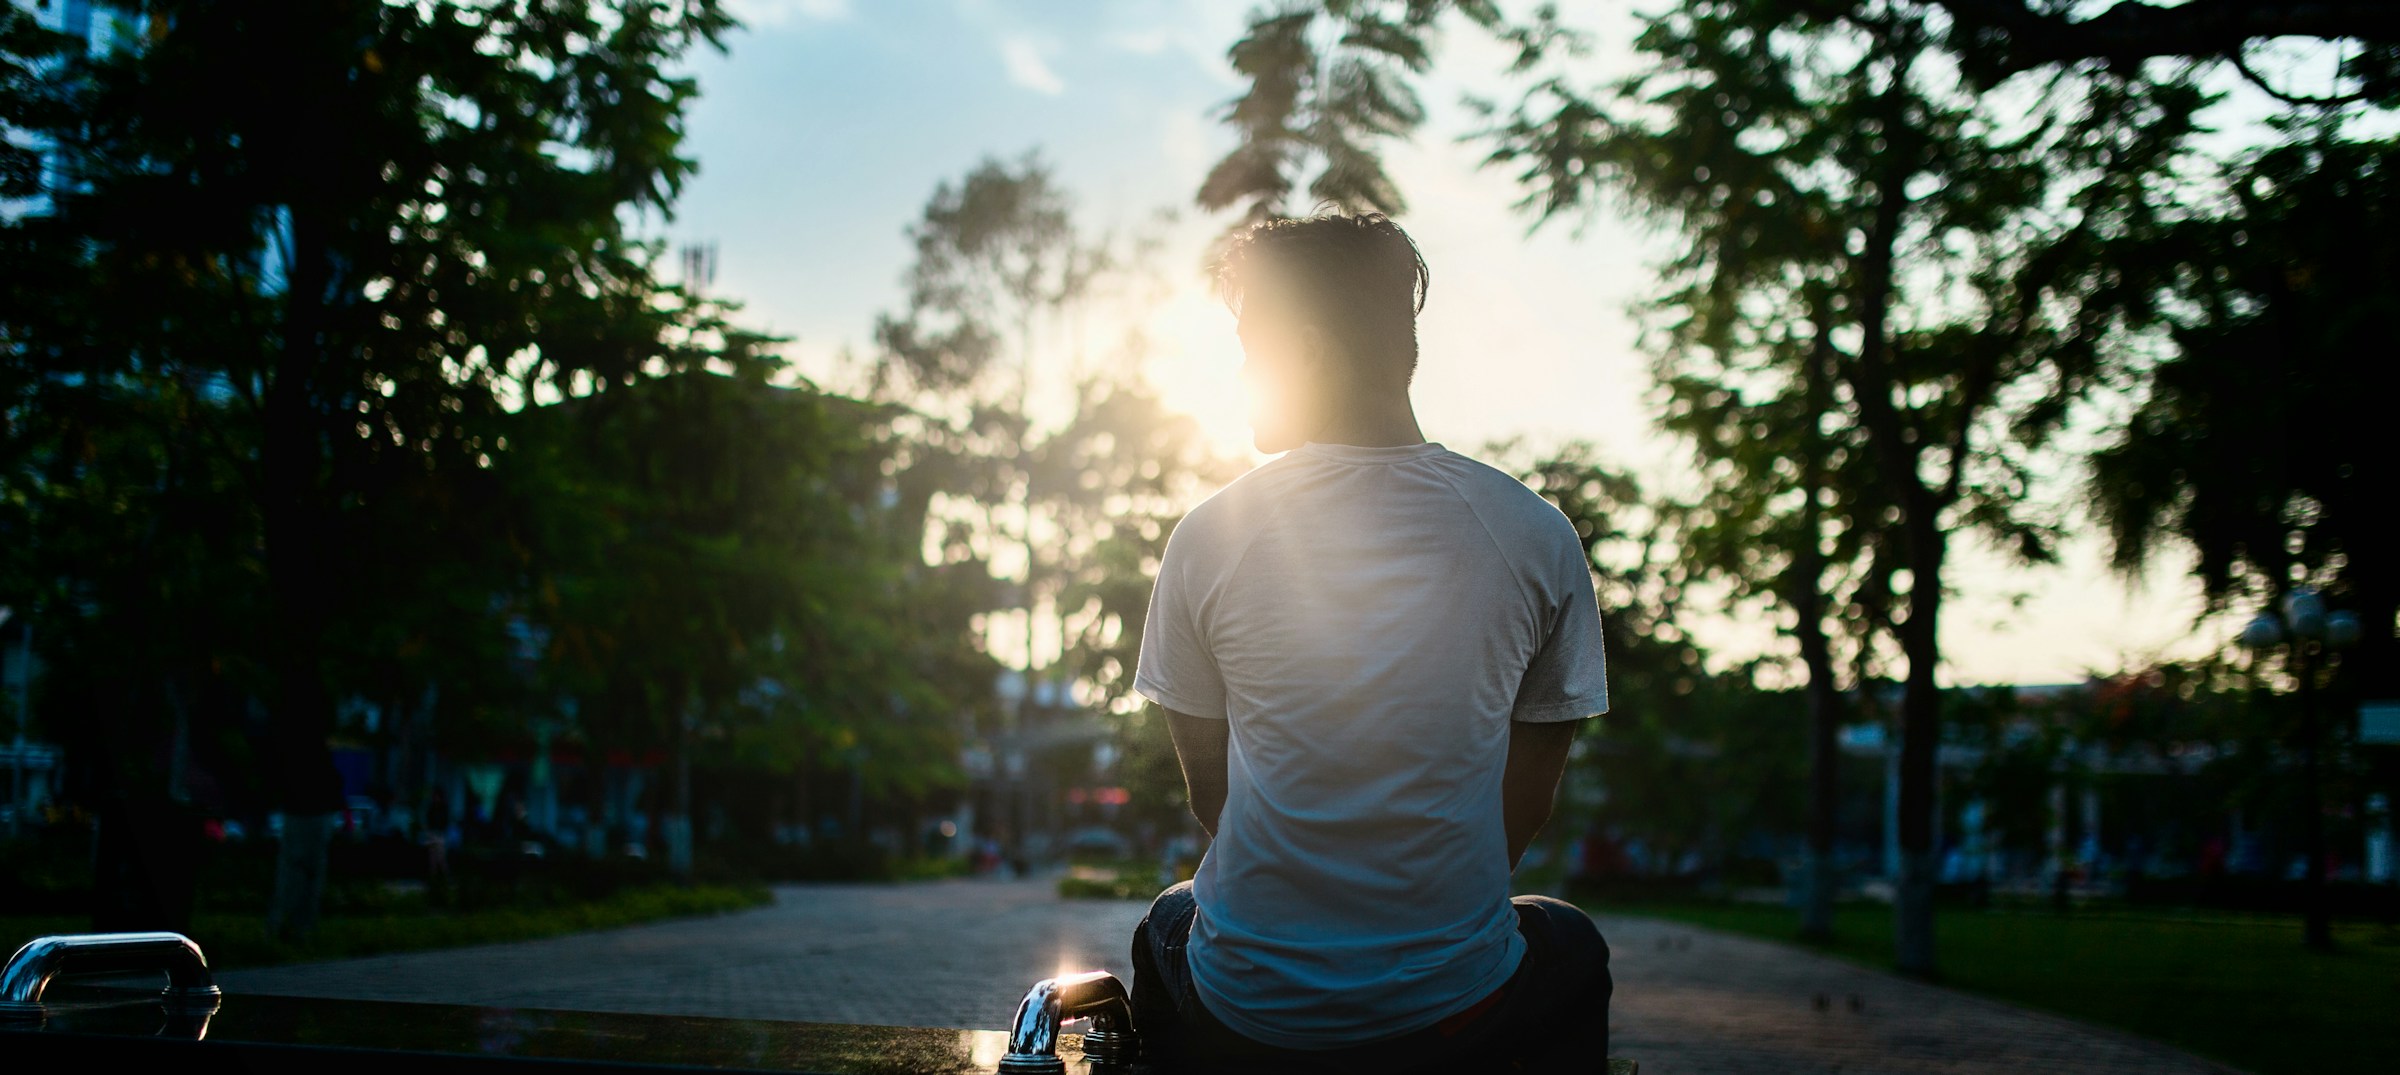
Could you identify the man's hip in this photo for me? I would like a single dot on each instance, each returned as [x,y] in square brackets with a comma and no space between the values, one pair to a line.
[1550,1015]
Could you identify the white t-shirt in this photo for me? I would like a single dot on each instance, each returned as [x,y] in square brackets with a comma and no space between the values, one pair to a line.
[1370,620]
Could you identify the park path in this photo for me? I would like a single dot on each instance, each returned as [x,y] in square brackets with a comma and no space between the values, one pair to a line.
[959,954]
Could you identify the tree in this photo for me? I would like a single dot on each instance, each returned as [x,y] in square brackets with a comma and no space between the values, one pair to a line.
[1327,83]
[1324,103]
[999,297]
[1999,38]
[130,541]
[1120,475]
[409,221]
[1787,489]
[1006,293]
[2253,443]
[1963,362]
[1000,273]
[733,589]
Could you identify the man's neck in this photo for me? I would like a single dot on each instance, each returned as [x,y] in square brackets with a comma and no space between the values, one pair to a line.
[1389,423]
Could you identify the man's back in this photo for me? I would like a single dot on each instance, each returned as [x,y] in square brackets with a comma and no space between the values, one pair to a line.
[1370,620]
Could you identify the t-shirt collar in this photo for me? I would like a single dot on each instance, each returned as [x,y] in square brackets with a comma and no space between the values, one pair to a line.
[1356,454]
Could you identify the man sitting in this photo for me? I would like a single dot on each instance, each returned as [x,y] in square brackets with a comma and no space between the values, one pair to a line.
[1372,653]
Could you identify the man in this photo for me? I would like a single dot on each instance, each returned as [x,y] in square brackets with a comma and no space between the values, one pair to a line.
[1372,653]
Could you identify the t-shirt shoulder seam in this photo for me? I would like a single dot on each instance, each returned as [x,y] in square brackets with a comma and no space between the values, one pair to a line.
[1204,514]
[1484,524]
[1481,523]
[1239,548]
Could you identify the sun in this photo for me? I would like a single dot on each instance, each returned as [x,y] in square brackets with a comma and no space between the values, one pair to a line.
[1195,362]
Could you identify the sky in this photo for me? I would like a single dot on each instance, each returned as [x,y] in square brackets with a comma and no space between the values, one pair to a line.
[825,127]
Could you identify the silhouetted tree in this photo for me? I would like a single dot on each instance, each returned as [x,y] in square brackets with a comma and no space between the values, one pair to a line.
[1999,38]
[735,586]
[407,220]
[2256,443]
[1784,520]
[1003,299]
[1000,274]
[1328,83]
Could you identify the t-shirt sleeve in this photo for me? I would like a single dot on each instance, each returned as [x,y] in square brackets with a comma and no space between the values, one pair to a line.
[1568,679]
[1176,668]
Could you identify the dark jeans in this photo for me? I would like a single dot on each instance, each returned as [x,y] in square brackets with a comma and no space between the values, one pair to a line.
[1551,1016]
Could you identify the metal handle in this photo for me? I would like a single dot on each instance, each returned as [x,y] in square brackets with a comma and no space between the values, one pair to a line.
[29,971]
[1110,1045]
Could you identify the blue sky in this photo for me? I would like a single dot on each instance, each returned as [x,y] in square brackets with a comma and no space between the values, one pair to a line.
[823,131]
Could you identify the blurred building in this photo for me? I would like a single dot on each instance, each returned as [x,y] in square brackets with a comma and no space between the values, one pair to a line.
[100,26]
[1020,777]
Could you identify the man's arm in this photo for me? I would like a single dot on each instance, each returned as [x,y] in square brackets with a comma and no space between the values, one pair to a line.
[1200,746]
[1537,758]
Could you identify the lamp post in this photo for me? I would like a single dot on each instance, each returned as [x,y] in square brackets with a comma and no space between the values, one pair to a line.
[2305,626]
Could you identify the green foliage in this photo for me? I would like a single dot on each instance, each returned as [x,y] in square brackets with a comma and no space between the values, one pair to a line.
[995,253]
[1800,158]
[1000,268]
[1627,538]
[2254,444]
[1087,499]
[1326,84]
[1952,265]
[1999,38]
[345,378]
[1119,477]
[2172,748]
[275,298]
[1123,879]
[721,558]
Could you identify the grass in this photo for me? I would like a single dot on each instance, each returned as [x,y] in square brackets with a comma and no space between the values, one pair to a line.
[240,940]
[1117,879]
[2238,989]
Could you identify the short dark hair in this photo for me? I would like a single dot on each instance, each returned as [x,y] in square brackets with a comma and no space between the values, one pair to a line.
[1360,274]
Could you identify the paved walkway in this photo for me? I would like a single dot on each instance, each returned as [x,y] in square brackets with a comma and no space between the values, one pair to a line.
[960,953]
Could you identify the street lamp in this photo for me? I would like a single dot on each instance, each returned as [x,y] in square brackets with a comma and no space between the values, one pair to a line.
[2308,629]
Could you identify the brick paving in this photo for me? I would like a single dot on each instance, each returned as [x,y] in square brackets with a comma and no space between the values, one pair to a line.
[960,953]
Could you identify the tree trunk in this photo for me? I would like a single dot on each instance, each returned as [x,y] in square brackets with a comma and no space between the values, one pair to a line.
[2373,667]
[804,820]
[1894,440]
[146,863]
[1824,785]
[1807,595]
[303,778]
[678,827]
[597,824]
[145,846]
[1920,738]
[300,874]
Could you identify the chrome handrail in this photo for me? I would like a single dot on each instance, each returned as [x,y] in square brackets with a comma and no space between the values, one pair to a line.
[31,970]
[1110,1045]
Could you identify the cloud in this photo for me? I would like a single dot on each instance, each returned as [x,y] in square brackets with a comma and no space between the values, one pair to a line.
[779,12]
[1148,42]
[1027,65]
